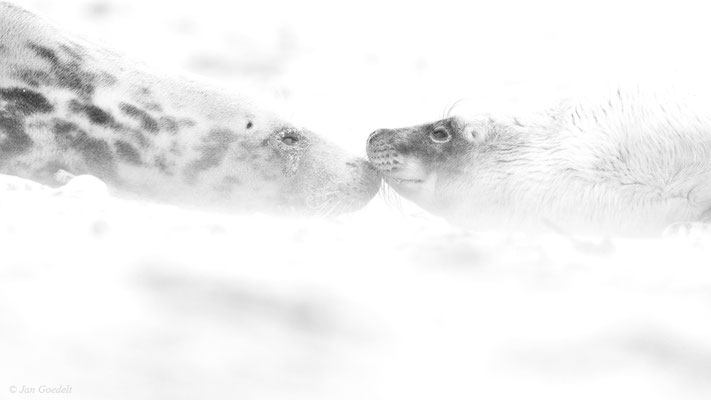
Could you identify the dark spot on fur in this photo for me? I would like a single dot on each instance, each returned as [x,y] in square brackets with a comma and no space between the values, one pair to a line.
[186,122]
[213,150]
[75,53]
[34,78]
[147,122]
[25,101]
[127,152]
[161,162]
[140,138]
[144,98]
[46,53]
[153,107]
[168,124]
[14,138]
[95,114]
[67,74]
[96,153]
[108,79]
[80,82]
[249,125]
[20,102]
[62,127]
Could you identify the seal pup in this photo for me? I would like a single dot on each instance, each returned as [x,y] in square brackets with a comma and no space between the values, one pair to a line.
[628,162]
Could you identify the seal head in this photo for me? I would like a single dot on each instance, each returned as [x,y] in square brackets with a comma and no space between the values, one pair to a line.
[423,161]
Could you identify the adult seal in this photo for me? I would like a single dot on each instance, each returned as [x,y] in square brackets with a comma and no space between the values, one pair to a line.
[73,106]
[630,161]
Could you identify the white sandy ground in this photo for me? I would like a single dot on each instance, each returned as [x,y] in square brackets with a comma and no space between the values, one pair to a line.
[123,299]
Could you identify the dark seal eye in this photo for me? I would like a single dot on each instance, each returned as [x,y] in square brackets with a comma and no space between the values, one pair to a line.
[440,135]
[289,140]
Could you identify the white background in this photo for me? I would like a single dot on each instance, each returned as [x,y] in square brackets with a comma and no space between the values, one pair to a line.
[134,300]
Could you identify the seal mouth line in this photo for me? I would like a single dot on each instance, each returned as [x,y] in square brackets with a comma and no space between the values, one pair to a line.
[400,180]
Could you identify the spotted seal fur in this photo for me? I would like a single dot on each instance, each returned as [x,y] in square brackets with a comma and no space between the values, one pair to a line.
[69,105]
[628,161]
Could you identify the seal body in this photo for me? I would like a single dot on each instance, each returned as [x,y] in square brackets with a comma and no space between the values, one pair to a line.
[628,162]
[68,105]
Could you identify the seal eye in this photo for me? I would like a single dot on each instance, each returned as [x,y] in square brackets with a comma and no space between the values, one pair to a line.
[289,140]
[440,135]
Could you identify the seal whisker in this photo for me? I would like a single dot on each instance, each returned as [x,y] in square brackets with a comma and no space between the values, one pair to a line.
[333,210]
[391,197]
[449,110]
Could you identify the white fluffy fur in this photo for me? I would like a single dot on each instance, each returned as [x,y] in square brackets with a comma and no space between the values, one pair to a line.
[629,161]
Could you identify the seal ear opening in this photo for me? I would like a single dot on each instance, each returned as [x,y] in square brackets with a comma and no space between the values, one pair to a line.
[472,133]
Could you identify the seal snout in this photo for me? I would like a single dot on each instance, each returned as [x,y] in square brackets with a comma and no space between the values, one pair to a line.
[381,137]
[374,135]
[381,150]
[368,174]
[389,150]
